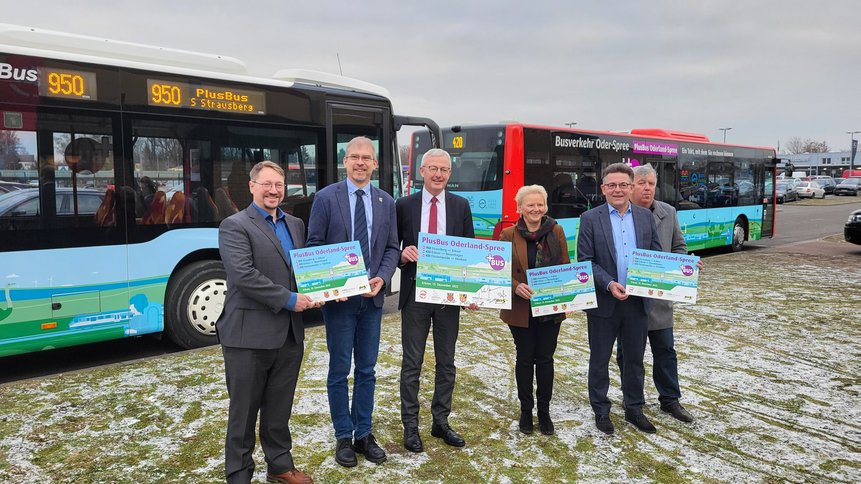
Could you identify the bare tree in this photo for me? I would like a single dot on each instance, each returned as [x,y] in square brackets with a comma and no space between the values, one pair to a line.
[796,146]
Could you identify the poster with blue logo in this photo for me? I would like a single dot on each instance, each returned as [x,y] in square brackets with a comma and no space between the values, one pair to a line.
[460,271]
[330,272]
[562,288]
[663,275]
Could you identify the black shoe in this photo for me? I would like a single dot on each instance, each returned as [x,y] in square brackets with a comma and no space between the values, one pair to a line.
[604,424]
[372,452]
[526,422]
[344,453]
[641,422]
[678,411]
[449,436]
[412,439]
[545,424]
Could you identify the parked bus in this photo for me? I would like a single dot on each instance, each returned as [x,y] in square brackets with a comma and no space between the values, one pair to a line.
[724,193]
[124,158]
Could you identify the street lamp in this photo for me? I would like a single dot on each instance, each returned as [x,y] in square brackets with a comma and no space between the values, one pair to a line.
[851,150]
[724,133]
[571,125]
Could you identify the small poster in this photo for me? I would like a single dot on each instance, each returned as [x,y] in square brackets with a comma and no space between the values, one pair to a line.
[562,288]
[329,272]
[663,275]
[461,271]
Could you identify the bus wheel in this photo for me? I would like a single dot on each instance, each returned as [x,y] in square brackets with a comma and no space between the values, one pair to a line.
[738,235]
[194,301]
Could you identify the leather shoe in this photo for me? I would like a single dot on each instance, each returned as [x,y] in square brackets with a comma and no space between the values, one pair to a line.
[344,453]
[641,422]
[449,436]
[525,423]
[678,411]
[604,424]
[545,424]
[368,446]
[293,476]
[412,439]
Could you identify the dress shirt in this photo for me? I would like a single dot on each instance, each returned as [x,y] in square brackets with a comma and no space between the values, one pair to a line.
[279,225]
[369,210]
[440,211]
[624,240]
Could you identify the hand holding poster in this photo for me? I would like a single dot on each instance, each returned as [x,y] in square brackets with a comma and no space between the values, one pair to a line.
[461,271]
[663,275]
[562,288]
[330,272]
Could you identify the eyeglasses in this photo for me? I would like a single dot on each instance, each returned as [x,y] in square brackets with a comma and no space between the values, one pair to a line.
[269,185]
[433,169]
[365,158]
[623,186]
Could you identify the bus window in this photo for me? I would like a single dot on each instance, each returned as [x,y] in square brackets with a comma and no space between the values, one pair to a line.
[692,177]
[721,190]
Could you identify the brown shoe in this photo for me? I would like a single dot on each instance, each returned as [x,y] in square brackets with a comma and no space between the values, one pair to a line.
[293,476]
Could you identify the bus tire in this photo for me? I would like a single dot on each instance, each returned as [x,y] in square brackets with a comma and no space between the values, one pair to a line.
[194,300]
[738,235]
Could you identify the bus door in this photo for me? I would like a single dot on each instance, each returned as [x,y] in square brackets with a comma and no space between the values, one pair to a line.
[764,174]
[345,122]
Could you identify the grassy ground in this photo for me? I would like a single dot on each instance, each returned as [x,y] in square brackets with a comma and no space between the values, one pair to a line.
[769,363]
[828,200]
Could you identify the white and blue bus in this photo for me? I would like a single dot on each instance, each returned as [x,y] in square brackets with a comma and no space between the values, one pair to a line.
[119,161]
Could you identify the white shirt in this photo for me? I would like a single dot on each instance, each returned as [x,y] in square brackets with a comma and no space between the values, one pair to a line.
[440,211]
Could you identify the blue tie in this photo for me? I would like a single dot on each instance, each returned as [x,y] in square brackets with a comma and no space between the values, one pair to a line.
[360,222]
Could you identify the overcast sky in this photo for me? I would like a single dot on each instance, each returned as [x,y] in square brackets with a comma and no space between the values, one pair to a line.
[770,69]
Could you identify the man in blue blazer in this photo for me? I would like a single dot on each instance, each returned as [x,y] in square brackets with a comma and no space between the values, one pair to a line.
[344,211]
[608,233]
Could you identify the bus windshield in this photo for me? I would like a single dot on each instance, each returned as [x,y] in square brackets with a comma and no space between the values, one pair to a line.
[476,158]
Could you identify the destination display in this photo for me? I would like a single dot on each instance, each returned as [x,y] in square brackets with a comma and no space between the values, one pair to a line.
[562,288]
[330,272]
[461,271]
[663,275]
[174,94]
[62,83]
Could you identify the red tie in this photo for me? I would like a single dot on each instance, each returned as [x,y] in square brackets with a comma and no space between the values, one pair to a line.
[432,216]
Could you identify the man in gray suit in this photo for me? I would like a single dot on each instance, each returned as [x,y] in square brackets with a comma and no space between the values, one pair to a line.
[665,372]
[260,329]
[608,234]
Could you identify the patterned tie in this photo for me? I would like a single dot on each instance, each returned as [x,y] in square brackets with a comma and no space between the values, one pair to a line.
[360,221]
[432,216]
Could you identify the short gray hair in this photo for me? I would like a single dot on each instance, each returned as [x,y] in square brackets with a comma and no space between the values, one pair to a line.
[527,190]
[643,171]
[436,152]
[360,140]
[255,170]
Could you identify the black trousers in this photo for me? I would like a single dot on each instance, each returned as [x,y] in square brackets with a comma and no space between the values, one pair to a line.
[264,381]
[535,348]
[416,321]
[630,325]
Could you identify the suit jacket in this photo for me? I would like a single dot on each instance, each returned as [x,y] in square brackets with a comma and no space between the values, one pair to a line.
[458,223]
[331,223]
[259,282]
[520,310]
[672,240]
[595,244]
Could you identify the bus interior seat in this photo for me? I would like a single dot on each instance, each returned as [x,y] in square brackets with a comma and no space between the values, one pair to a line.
[155,212]
[203,208]
[106,213]
[174,210]
[224,203]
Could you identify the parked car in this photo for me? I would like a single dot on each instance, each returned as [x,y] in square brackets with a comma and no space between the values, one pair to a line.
[25,202]
[810,189]
[8,186]
[786,191]
[852,230]
[849,186]
[826,182]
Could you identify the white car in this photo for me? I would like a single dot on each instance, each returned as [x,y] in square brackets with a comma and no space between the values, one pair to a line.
[810,189]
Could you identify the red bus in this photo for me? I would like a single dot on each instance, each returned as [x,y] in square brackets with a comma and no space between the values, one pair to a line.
[724,193]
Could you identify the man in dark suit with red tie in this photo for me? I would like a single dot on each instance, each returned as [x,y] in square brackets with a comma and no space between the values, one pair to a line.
[437,211]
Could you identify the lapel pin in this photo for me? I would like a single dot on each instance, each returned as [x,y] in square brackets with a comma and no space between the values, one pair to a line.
[380,199]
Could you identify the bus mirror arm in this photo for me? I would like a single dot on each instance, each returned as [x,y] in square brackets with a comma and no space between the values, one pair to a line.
[436,134]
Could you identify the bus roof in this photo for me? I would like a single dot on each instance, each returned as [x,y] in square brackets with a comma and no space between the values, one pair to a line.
[656,133]
[17,39]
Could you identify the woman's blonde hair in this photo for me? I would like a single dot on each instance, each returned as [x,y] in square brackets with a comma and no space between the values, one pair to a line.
[529,190]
